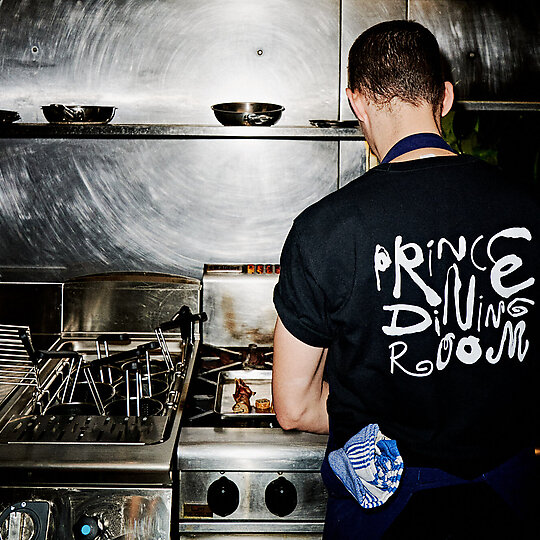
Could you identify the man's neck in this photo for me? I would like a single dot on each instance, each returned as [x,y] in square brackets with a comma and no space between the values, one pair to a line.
[391,125]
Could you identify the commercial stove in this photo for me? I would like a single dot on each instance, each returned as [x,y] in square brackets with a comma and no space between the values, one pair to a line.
[124,428]
[89,428]
[239,474]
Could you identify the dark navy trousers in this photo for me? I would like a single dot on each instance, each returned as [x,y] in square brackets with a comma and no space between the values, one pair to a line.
[431,503]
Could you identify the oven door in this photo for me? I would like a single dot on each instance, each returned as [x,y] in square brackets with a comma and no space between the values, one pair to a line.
[260,482]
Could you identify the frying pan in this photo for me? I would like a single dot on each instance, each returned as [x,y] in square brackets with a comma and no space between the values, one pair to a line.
[78,114]
[247,113]
[7,117]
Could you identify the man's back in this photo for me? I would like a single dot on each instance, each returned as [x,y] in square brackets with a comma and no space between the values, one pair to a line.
[424,272]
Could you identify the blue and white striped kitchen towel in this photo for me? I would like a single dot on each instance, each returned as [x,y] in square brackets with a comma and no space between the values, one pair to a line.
[369,465]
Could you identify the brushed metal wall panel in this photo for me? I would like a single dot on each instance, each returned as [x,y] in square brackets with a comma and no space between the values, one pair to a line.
[492,47]
[168,61]
[81,206]
[240,309]
[357,16]
[352,160]
[129,304]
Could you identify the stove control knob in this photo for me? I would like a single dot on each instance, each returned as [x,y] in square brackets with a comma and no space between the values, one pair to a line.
[87,528]
[223,497]
[280,497]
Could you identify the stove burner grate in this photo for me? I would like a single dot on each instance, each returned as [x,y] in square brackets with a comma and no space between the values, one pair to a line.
[211,361]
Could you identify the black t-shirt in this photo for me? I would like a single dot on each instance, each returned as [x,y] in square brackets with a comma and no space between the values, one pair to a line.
[421,278]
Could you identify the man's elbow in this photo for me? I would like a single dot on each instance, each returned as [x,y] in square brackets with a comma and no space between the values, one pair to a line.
[288,417]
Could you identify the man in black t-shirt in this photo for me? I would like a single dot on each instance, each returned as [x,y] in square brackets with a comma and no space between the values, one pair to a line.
[409,300]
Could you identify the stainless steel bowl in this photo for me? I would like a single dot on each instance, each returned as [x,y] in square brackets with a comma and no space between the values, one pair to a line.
[83,393]
[248,113]
[78,114]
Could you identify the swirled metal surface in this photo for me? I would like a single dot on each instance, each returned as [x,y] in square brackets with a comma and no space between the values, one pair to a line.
[492,46]
[168,61]
[74,207]
[78,206]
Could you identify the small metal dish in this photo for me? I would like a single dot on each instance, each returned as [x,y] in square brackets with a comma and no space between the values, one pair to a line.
[258,380]
[247,113]
[336,124]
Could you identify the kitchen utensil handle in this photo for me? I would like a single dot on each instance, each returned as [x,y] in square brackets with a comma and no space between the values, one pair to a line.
[74,113]
[27,343]
[257,119]
[65,110]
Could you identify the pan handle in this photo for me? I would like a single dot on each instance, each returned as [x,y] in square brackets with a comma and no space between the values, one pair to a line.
[256,119]
[125,355]
[74,113]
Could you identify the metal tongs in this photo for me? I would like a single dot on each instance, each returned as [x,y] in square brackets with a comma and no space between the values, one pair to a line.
[140,391]
[75,364]
[133,356]
[103,340]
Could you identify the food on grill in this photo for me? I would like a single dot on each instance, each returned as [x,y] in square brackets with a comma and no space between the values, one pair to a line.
[263,405]
[242,395]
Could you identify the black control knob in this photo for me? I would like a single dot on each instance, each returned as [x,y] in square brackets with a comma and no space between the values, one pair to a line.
[223,497]
[87,528]
[280,497]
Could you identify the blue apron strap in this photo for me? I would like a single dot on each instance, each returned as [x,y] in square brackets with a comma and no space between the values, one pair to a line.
[415,142]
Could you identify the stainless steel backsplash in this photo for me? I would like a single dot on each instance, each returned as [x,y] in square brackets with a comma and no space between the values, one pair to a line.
[73,207]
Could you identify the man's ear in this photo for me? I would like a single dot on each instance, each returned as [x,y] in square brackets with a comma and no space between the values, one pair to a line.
[357,105]
[448,99]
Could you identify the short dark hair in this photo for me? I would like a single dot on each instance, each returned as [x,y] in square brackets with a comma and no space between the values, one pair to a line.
[398,59]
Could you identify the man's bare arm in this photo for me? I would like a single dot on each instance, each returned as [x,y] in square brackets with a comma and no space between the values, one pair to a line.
[299,392]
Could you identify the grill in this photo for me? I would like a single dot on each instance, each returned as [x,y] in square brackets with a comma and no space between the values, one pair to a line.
[239,473]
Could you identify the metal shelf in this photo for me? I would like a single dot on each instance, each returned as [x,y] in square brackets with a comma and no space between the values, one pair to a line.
[510,106]
[194,131]
[178,131]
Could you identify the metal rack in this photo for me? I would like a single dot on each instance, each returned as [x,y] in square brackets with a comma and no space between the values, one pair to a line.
[16,367]
[86,396]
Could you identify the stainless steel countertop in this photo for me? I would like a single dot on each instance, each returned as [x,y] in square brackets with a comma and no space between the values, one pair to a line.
[249,449]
